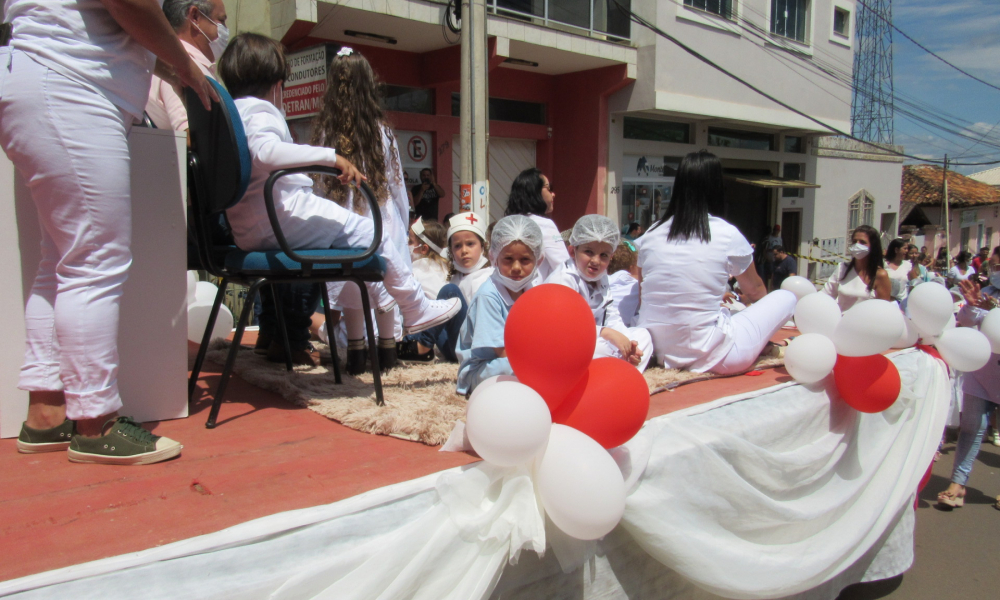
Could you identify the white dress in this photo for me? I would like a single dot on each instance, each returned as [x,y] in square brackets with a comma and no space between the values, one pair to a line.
[625,295]
[431,274]
[900,278]
[847,289]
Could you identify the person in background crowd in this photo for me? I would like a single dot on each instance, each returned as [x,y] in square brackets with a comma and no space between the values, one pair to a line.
[426,196]
[918,272]
[784,267]
[961,271]
[982,257]
[941,265]
[863,277]
[531,195]
[634,231]
[623,273]
[898,268]
[75,77]
[201,28]
[352,121]
[685,262]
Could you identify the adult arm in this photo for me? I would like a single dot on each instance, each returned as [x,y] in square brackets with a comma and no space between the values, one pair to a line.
[145,22]
[883,285]
[751,285]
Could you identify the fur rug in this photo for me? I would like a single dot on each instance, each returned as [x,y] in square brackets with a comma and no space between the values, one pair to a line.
[420,400]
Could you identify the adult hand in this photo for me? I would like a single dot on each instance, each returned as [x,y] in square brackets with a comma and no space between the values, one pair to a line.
[974,297]
[192,77]
[348,172]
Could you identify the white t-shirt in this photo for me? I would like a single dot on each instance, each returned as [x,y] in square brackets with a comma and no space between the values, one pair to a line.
[900,279]
[683,282]
[847,289]
[625,295]
[431,274]
[955,274]
[80,40]
[554,247]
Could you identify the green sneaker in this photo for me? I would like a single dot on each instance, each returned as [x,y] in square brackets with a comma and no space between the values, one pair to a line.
[34,441]
[126,443]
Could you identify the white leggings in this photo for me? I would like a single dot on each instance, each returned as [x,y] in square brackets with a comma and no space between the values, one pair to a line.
[69,142]
[753,327]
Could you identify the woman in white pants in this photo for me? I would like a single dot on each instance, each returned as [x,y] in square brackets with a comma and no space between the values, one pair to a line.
[685,262]
[72,81]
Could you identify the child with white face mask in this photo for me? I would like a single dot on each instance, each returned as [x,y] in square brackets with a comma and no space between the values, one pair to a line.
[467,247]
[515,250]
[592,244]
[429,255]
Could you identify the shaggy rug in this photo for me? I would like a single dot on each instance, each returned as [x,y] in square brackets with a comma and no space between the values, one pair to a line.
[420,400]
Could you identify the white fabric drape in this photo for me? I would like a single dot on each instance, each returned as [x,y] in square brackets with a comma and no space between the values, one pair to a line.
[776,494]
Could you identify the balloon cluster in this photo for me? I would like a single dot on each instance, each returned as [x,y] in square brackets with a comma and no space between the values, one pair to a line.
[562,411]
[851,345]
[200,297]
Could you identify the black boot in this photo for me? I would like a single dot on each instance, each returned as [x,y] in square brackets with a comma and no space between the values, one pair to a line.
[357,357]
[407,350]
[387,358]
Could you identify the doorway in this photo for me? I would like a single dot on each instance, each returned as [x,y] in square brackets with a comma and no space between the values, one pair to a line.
[791,230]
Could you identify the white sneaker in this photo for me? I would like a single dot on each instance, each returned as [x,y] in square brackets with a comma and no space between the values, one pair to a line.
[996,438]
[436,313]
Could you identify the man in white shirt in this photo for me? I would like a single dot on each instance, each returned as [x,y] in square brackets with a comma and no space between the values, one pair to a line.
[201,27]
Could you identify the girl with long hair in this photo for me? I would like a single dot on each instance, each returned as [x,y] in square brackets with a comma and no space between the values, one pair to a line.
[352,121]
[864,276]
[531,195]
[685,262]
[898,267]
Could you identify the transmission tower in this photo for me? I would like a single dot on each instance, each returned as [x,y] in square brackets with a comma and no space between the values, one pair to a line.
[872,105]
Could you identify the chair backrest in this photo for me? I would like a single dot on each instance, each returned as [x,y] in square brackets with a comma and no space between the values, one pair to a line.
[219,145]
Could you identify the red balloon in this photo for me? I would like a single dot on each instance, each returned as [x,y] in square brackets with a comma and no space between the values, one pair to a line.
[549,338]
[610,403]
[867,383]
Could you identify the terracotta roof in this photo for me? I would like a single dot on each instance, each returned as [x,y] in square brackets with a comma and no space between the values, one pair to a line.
[989,176]
[923,185]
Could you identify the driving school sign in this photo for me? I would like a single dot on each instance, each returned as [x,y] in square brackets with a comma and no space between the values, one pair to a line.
[306,83]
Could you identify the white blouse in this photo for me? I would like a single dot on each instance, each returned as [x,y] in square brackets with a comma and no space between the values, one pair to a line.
[847,289]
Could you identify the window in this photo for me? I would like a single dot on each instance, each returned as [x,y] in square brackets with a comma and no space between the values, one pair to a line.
[408,99]
[723,8]
[502,109]
[657,131]
[746,140]
[861,210]
[841,22]
[794,143]
[795,171]
[789,18]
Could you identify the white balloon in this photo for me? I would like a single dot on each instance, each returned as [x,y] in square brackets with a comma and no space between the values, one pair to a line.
[964,348]
[990,327]
[929,305]
[508,423]
[198,314]
[869,327]
[580,485]
[909,337]
[817,313]
[205,291]
[192,278]
[488,382]
[931,340]
[798,285]
[810,357]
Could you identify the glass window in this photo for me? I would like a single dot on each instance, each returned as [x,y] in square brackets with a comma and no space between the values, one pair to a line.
[841,21]
[795,171]
[657,131]
[733,138]
[861,210]
[723,8]
[571,12]
[789,18]
[502,109]
[611,19]
[408,99]
[794,143]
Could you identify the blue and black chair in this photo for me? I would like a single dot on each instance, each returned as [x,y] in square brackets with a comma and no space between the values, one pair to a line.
[218,176]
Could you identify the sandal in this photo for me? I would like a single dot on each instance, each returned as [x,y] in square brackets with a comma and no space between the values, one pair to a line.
[951,500]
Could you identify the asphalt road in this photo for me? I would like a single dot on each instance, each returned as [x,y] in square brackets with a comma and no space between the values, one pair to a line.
[957,551]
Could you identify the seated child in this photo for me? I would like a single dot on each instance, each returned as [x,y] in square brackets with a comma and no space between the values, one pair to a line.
[515,248]
[429,256]
[253,68]
[592,243]
[623,277]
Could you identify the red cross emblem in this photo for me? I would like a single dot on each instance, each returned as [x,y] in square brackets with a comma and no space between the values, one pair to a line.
[471,218]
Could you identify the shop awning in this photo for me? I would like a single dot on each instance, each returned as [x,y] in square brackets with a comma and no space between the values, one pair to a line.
[771,181]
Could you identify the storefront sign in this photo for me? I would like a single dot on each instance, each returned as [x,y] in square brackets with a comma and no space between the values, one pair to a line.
[306,83]
[415,153]
[646,165]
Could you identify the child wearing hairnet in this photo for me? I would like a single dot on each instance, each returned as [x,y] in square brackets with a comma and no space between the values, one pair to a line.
[515,249]
[592,244]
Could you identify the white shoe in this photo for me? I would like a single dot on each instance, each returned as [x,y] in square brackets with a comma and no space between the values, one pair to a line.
[996,438]
[436,313]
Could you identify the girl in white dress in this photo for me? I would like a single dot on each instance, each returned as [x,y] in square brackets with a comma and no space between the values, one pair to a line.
[531,195]
[429,254]
[863,277]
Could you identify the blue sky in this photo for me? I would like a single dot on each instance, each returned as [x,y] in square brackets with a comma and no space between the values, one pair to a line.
[966,33]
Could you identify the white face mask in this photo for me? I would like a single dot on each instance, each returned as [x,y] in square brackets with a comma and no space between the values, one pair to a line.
[479,265]
[858,250]
[513,285]
[218,45]
[995,280]
[414,255]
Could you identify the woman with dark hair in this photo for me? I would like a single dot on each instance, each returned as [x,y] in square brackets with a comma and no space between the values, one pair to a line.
[531,195]
[685,262]
[961,271]
[898,268]
[863,277]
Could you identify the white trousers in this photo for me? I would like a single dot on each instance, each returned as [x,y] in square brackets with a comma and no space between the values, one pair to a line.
[636,334]
[70,144]
[753,328]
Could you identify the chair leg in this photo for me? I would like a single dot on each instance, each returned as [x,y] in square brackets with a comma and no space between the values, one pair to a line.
[281,325]
[231,358]
[330,334]
[372,344]
[206,338]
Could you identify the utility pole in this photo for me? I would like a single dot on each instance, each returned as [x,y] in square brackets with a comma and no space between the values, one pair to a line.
[475,186]
[947,220]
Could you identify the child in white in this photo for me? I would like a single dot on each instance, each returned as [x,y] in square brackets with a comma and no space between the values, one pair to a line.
[623,273]
[467,246]
[307,221]
[592,243]
[428,255]
[515,250]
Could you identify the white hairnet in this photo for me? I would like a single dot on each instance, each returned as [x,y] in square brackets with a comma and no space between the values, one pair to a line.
[516,228]
[595,228]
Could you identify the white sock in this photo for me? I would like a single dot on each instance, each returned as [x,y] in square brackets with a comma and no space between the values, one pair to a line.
[354,319]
